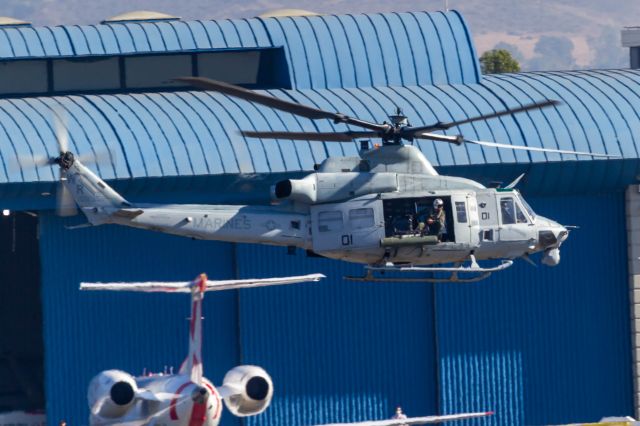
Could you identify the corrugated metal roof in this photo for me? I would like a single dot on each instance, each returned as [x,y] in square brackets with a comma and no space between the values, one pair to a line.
[196,133]
[322,51]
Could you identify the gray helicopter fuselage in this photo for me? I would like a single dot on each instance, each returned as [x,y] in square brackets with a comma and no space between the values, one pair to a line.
[376,216]
[489,223]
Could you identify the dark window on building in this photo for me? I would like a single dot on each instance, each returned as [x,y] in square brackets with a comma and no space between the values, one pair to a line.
[152,71]
[86,74]
[23,77]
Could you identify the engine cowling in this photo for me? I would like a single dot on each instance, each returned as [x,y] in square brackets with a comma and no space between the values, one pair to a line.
[112,393]
[252,390]
[333,187]
[303,190]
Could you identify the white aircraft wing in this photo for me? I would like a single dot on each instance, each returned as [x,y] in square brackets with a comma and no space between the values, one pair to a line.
[263,282]
[415,420]
[185,287]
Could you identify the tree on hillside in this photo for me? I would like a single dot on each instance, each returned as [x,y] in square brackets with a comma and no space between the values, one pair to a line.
[513,49]
[497,61]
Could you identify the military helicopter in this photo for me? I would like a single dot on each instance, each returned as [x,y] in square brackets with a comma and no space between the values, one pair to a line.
[379,209]
[187,398]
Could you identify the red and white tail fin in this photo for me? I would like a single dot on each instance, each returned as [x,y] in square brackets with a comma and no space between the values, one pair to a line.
[192,365]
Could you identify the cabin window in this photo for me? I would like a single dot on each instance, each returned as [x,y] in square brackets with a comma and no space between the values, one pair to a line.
[507,209]
[461,212]
[329,221]
[361,218]
[520,216]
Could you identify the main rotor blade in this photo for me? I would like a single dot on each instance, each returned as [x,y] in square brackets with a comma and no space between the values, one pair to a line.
[312,136]
[457,139]
[410,131]
[536,149]
[277,103]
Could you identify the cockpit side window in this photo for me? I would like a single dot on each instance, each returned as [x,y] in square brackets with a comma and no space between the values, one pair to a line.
[507,209]
[329,221]
[528,208]
[520,216]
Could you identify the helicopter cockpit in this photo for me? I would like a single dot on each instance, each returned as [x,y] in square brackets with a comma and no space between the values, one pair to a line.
[515,210]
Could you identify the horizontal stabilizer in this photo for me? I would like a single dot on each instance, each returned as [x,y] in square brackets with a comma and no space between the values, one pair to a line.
[416,420]
[128,213]
[185,287]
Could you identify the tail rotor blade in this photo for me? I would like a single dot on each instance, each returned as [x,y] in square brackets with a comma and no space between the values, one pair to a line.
[101,156]
[65,204]
[62,132]
[30,162]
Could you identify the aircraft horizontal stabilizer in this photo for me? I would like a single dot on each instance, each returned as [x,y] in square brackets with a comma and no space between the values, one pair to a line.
[185,287]
[128,213]
[416,420]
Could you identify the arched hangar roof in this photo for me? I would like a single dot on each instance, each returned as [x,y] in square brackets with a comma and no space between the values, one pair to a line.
[195,133]
[363,65]
[322,51]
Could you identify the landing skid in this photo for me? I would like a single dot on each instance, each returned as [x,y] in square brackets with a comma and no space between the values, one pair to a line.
[479,273]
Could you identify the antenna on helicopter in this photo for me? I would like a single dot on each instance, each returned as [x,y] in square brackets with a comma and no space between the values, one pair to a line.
[393,133]
[399,119]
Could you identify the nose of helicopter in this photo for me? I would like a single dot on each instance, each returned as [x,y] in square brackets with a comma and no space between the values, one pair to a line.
[551,235]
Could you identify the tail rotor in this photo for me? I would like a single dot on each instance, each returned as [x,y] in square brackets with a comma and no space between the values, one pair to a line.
[65,203]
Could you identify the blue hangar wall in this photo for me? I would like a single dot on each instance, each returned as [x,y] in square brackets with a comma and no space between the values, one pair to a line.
[537,346]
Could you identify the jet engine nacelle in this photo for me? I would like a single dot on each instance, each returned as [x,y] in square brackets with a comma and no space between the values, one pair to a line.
[252,388]
[333,187]
[112,393]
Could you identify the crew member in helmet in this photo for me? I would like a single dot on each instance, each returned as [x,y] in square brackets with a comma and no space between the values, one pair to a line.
[437,220]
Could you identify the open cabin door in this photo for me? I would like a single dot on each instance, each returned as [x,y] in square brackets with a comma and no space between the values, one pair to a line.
[350,225]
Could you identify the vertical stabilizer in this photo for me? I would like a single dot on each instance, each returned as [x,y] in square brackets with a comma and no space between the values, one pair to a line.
[96,199]
[193,363]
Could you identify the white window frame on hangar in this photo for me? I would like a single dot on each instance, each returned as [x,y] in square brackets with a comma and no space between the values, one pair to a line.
[536,346]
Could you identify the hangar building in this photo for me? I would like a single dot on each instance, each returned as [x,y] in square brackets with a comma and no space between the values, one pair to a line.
[536,345]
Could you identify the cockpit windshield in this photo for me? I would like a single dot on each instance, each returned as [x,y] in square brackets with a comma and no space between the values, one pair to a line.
[527,207]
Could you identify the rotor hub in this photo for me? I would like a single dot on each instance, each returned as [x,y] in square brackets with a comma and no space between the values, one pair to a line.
[65,160]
